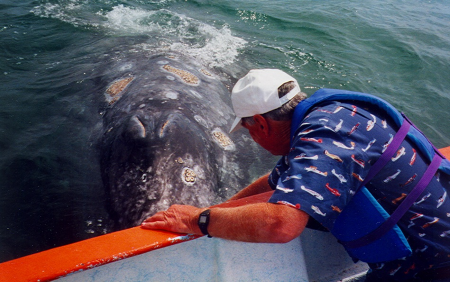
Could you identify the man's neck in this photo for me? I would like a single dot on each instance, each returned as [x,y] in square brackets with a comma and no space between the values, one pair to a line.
[281,129]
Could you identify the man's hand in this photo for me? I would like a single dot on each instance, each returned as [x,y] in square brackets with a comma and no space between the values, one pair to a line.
[178,218]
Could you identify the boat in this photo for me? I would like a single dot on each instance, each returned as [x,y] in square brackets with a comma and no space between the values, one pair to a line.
[136,254]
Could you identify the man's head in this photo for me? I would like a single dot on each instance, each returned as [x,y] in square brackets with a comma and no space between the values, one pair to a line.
[264,92]
[268,98]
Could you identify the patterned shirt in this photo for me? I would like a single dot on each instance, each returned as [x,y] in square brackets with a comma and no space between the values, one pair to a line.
[332,152]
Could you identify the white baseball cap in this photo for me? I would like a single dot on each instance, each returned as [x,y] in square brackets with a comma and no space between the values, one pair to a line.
[257,93]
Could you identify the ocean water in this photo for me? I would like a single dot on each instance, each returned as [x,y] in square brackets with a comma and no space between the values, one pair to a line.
[50,188]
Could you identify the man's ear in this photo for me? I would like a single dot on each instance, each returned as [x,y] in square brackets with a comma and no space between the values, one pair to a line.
[262,124]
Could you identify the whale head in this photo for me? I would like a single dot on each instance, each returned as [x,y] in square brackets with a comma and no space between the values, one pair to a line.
[164,137]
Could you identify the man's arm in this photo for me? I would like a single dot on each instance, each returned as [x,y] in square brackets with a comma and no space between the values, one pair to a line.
[260,185]
[260,222]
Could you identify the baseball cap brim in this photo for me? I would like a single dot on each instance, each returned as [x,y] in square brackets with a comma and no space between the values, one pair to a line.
[237,124]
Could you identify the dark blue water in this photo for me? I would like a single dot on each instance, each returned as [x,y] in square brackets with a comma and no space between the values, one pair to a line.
[50,53]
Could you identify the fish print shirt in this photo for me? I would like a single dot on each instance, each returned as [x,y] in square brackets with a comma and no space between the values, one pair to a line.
[332,152]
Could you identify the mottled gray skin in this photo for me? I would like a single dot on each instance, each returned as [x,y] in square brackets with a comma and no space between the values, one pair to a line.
[159,129]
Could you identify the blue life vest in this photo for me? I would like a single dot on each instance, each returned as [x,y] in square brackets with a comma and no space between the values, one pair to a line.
[364,228]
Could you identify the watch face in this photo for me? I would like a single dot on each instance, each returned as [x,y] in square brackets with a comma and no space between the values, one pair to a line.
[202,219]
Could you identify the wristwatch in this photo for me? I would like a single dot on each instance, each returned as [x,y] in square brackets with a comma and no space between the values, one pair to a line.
[203,221]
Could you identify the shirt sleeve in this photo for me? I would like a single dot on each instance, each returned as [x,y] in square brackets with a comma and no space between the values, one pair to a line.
[331,153]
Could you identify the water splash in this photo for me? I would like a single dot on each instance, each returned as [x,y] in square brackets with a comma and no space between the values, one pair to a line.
[215,47]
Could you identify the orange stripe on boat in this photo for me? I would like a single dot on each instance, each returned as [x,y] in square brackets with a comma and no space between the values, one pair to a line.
[446,152]
[57,262]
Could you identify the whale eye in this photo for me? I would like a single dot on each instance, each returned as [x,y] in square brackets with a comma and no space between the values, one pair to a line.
[144,177]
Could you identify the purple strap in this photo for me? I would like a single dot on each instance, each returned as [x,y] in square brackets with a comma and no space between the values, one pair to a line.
[402,208]
[416,192]
[412,196]
[389,153]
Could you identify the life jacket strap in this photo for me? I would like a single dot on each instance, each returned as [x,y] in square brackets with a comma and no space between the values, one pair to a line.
[389,153]
[381,230]
[401,209]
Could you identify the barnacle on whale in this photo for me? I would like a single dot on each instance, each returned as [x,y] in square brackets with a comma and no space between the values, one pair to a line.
[222,139]
[205,72]
[186,76]
[188,176]
[116,88]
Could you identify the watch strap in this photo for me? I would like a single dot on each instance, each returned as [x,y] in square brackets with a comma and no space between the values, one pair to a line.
[203,222]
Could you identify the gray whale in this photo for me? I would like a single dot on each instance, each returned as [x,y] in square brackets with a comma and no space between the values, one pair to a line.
[164,138]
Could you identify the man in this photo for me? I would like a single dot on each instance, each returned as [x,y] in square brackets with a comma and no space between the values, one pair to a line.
[332,145]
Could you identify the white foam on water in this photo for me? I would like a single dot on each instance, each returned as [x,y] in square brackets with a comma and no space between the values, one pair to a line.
[212,46]
[219,49]
[127,20]
[69,11]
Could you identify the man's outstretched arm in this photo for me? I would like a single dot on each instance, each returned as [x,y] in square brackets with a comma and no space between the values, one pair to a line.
[259,222]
